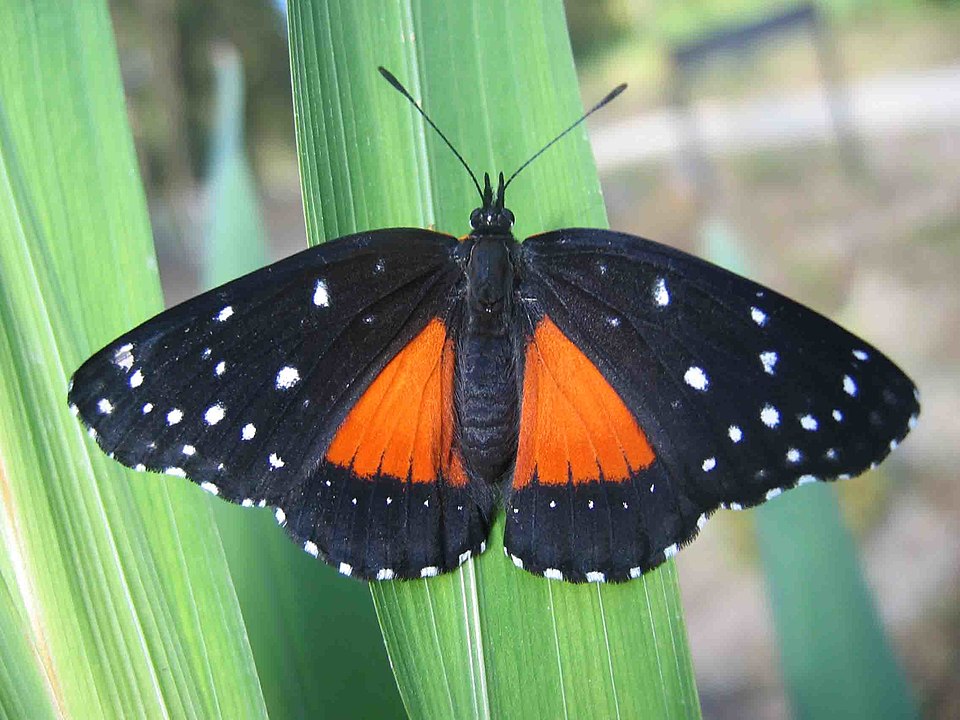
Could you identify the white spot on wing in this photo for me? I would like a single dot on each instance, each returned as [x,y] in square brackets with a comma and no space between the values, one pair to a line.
[123,357]
[189,450]
[806,480]
[275,460]
[596,576]
[311,547]
[771,494]
[214,414]
[735,433]
[136,380]
[174,416]
[281,516]
[709,464]
[464,556]
[696,378]
[849,386]
[912,422]
[552,574]
[809,422]
[429,571]
[759,316]
[224,314]
[249,431]
[860,355]
[287,377]
[178,472]
[321,298]
[147,408]
[139,467]
[701,521]
[104,406]
[345,568]
[837,415]
[660,294]
[670,551]
[385,574]
[635,572]
[221,368]
[769,360]
[770,416]
[517,561]
[793,455]
[247,502]
[210,488]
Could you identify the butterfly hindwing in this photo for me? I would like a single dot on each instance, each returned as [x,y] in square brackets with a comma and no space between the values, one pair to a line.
[247,390]
[739,392]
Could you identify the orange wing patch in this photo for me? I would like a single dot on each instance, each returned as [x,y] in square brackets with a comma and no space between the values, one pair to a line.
[402,425]
[573,425]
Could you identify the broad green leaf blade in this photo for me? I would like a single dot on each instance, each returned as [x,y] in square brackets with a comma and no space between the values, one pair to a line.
[119,577]
[488,640]
[24,689]
[234,242]
[836,660]
[312,634]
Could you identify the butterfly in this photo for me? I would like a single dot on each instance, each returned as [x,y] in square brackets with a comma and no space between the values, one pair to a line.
[385,392]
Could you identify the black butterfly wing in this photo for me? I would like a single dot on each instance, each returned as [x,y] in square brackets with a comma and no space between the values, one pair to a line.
[740,393]
[244,388]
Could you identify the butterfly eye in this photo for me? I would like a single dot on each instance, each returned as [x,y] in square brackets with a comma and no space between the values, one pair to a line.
[508,216]
[475,219]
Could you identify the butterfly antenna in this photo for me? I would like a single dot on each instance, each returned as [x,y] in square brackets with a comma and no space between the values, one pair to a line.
[609,97]
[390,78]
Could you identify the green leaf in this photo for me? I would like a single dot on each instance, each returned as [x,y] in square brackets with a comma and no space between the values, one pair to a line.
[312,633]
[836,659]
[234,242]
[488,640]
[118,579]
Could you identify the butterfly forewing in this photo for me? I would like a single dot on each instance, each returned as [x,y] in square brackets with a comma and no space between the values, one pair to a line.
[242,390]
[741,392]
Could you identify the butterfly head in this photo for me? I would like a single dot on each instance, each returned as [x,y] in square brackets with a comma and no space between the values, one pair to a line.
[491,218]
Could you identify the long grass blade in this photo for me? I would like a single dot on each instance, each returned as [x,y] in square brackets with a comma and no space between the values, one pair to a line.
[488,640]
[118,578]
[312,634]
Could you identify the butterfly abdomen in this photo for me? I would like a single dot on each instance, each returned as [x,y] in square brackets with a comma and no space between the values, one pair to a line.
[486,387]
[488,402]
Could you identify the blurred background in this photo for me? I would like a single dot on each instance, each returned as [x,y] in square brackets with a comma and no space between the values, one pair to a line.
[814,147]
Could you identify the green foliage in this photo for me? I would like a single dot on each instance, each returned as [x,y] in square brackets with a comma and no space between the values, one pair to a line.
[836,659]
[312,632]
[488,640]
[117,601]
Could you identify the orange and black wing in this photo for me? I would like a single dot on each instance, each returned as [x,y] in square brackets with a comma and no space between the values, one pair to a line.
[658,387]
[319,386]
